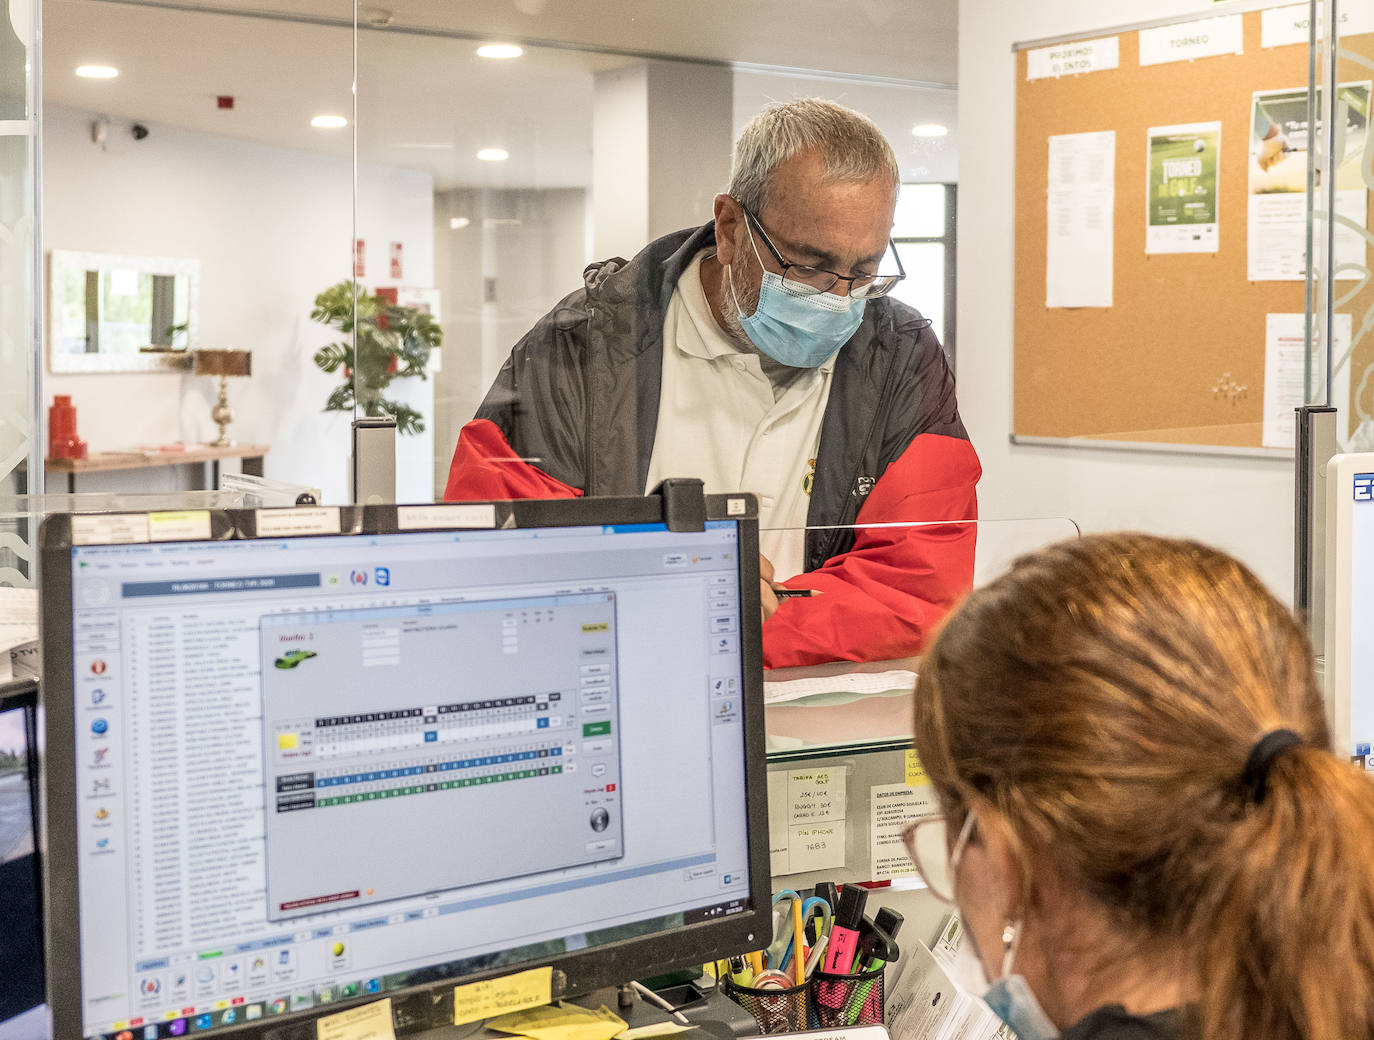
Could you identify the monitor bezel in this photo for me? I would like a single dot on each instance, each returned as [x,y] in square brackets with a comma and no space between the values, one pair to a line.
[574,972]
[22,695]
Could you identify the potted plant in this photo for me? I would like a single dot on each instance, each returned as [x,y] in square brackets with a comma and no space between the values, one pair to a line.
[393,342]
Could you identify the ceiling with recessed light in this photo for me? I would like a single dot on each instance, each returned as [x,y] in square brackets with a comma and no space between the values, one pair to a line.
[428,101]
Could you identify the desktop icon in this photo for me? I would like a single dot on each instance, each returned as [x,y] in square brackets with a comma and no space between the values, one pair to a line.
[229,1017]
[278,1006]
[325,995]
[292,658]
[251,1012]
[150,986]
[100,754]
[124,1034]
[100,726]
[98,696]
[374,985]
[382,575]
[102,843]
[150,1032]
[98,667]
[337,949]
[102,814]
[348,989]
[99,784]
[357,577]
[176,1027]
[203,1022]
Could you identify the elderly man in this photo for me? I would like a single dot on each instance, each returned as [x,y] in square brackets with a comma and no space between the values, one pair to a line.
[761,353]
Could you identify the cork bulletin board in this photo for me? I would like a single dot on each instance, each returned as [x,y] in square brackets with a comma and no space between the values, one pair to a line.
[1178,357]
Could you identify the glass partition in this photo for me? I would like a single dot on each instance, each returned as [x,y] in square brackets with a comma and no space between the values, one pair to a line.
[1340,371]
[220,144]
[842,662]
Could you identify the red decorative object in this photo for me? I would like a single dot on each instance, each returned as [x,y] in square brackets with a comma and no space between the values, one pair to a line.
[63,443]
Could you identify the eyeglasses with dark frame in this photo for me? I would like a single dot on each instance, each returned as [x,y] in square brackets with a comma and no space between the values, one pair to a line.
[927,843]
[811,281]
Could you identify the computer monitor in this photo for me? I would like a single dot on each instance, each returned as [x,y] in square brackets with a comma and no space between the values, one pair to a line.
[21,938]
[300,759]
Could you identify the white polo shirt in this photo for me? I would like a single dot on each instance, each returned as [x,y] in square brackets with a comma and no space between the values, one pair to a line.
[718,420]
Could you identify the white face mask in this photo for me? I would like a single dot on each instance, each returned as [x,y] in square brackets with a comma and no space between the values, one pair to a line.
[1009,996]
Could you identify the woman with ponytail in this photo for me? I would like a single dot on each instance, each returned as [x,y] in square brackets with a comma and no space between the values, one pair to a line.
[1144,828]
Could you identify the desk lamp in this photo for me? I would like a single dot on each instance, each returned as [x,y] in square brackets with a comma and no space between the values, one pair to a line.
[222,363]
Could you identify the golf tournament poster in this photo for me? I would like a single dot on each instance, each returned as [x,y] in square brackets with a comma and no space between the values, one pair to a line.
[1181,193]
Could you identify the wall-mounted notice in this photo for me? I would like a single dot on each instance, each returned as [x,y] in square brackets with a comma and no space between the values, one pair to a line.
[806,821]
[1281,26]
[1205,38]
[1285,370]
[1277,219]
[893,806]
[1181,194]
[1073,59]
[1082,192]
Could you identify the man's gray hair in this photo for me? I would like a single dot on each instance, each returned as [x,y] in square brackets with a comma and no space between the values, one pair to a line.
[854,149]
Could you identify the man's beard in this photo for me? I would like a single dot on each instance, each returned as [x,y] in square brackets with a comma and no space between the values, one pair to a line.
[730,307]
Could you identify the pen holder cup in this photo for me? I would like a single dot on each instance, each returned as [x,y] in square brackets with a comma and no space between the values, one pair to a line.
[775,1010]
[837,1001]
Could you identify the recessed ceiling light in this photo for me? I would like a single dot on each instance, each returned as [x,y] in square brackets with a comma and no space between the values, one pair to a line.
[328,122]
[930,130]
[499,50]
[97,71]
[458,223]
[493,155]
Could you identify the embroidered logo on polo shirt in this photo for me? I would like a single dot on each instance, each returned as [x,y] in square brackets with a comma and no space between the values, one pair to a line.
[810,477]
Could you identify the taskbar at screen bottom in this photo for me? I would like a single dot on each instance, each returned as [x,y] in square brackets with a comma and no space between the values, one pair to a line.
[193,1020]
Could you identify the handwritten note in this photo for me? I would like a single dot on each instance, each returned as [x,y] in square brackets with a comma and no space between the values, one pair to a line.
[916,775]
[893,806]
[478,1000]
[564,1022]
[369,1022]
[806,820]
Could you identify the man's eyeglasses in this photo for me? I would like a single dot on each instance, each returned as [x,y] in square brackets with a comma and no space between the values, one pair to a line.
[927,843]
[810,281]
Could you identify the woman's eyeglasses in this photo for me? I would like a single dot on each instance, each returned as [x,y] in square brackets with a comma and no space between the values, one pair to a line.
[936,859]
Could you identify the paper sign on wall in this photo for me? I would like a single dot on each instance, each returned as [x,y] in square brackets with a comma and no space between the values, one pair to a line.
[1181,191]
[396,265]
[1281,26]
[1285,372]
[1080,219]
[806,820]
[1073,59]
[893,806]
[359,258]
[1205,38]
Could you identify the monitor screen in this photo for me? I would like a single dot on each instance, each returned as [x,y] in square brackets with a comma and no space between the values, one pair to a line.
[21,938]
[313,769]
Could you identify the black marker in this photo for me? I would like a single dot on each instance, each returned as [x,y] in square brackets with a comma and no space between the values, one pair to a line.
[795,593]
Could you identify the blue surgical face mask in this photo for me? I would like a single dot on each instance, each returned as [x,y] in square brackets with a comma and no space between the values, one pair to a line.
[801,331]
[1010,997]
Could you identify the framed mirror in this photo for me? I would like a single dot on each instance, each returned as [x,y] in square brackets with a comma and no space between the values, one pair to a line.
[109,313]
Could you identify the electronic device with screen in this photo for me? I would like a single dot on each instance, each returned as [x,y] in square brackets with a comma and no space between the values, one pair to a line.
[302,759]
[21,938]
[1349,618]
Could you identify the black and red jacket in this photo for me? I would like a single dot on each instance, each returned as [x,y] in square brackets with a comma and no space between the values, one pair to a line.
[575,408]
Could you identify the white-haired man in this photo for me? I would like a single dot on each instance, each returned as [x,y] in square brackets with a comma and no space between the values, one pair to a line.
[761,353]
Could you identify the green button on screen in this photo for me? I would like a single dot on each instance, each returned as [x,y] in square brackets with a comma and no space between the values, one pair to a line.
[596,729]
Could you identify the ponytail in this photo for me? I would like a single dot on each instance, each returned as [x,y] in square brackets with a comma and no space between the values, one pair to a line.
[1284,922]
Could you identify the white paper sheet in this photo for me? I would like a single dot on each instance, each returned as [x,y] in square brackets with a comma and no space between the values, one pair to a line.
[1285,367]
[1073,59]
[863,684]
[1187,41]
[1079,219]
[892,807]
[18,623]
[806,820]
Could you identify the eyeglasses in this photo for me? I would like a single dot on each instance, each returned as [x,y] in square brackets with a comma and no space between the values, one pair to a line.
[811,281]
[927,843]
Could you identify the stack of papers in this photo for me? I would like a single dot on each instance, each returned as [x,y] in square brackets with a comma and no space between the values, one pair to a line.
[928,1004]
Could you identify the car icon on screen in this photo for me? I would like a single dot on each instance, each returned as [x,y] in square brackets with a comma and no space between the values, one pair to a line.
[293,657]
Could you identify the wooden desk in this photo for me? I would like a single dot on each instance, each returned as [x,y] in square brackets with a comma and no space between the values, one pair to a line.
[103,461]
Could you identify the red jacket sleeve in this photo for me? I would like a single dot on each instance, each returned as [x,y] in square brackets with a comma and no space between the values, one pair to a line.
[881,600]
[486,468]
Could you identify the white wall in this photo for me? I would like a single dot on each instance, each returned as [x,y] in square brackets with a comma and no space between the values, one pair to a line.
[271,227]
[1242,505]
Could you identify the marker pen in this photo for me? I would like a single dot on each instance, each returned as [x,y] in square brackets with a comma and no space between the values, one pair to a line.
[844,935]
[825,890]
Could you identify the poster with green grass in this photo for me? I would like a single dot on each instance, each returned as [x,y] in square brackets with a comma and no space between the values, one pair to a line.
[1181,195]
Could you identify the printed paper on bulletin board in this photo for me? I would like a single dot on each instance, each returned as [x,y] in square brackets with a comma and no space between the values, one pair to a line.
[1178,357]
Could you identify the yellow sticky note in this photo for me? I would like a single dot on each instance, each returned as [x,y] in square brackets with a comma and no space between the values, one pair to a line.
[369,1022]
[478,1000]
[566,1022]
[287,741]
[916,775]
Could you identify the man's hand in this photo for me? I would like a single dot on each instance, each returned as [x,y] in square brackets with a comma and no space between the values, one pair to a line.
[767,599]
